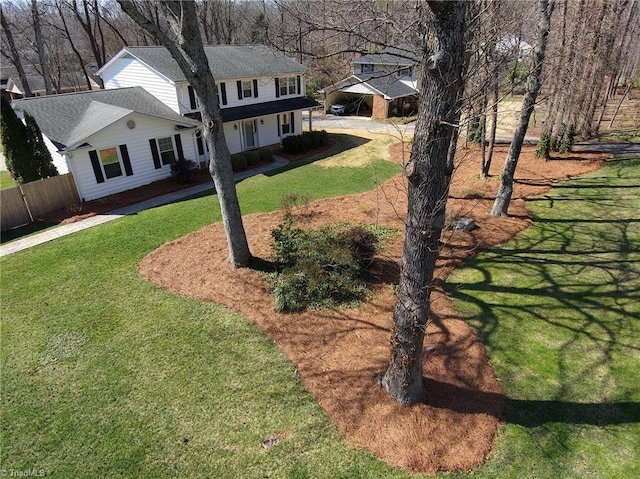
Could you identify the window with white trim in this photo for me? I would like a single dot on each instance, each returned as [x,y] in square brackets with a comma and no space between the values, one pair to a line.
[110,162]
[366,68]
[247,89]
[287,86]
[165,148]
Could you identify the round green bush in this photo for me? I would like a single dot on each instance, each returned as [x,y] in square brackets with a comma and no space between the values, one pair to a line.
[253,158]
[266,155]
[238,162]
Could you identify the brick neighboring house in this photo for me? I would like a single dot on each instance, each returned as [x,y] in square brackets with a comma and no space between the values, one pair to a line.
[383,83]
[261,91]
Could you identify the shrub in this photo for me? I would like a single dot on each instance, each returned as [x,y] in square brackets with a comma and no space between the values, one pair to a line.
[290,292]
[181,170]
[238,162]
[297,144]
[543,149]
[266,155]
[294,200]
[285,243]
[323,267]
[253,158]
[567,140]
[362,243]
[474,131]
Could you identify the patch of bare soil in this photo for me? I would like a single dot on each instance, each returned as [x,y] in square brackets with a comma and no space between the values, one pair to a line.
[339,352]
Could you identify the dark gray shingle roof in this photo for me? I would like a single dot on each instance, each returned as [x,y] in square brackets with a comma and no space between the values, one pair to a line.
[388,85]
[225,61]
[70,118]
[401,55]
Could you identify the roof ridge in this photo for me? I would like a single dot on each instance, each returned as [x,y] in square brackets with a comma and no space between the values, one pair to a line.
[76,93]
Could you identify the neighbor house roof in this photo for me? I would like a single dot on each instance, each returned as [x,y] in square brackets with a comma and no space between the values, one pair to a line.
[69,119]
[387,85]
[401,55]
[67,81]
[225,61]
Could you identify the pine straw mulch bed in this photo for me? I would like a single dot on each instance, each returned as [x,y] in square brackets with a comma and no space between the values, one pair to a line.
[338,353]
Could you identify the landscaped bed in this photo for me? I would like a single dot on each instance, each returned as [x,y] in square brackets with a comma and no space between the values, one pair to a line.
[338,353]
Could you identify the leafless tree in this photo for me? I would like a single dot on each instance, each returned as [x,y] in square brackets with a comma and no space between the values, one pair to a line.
[534,82]
[14,55]
[429,174]
[39,41]
[184,43]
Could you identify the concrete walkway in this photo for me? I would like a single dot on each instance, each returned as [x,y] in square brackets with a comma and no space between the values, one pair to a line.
[64,230]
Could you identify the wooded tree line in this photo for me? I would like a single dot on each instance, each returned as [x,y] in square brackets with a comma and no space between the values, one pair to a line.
[592,46]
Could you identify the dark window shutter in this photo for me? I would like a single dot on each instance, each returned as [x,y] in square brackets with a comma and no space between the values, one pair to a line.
[298,83]
[97,170]
[124,153]
[200,145]
[278,117]
[239,83]
[155,153]
[178,140]
[293,125]
[223,92]
[277,87]
[192,98]
[255,88]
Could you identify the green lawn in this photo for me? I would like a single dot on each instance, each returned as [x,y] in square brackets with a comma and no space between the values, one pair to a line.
[106,375]
[558,309]
[6,181]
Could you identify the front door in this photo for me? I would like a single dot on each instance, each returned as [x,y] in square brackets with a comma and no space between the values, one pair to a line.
[249,134]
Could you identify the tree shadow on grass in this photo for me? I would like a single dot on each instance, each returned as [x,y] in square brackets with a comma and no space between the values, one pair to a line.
[528,413]
[568,290]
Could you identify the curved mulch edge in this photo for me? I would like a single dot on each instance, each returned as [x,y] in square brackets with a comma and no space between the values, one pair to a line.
[338,353]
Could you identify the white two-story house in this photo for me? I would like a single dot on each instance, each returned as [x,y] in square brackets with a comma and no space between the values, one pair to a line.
[383,84]
[147,117]
[261,91]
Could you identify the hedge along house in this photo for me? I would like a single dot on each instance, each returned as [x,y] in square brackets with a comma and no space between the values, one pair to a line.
[261,91]
[112,140]
[383,83]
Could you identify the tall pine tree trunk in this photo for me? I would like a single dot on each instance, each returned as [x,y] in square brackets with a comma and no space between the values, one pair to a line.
[188,51]
[534,82]
[429,176]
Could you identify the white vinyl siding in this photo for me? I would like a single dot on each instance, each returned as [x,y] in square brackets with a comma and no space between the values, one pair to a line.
[137,141]
[59,160]
[266,91]
[129,72]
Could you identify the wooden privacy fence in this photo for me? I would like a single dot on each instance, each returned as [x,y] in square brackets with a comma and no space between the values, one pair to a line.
[26,203]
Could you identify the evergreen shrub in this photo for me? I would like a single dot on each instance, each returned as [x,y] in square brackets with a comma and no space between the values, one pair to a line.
[297,144]
[324,267]
[266,155]
[238,162]
[253,158]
